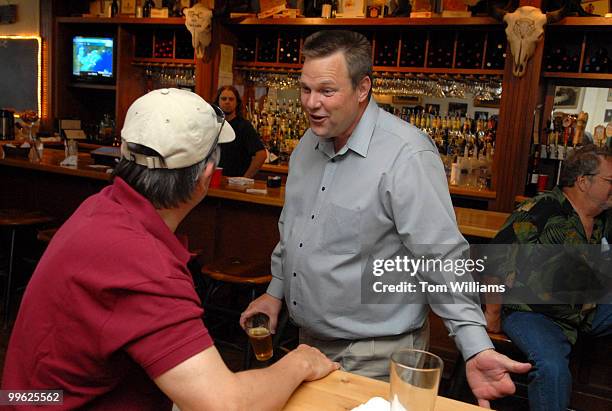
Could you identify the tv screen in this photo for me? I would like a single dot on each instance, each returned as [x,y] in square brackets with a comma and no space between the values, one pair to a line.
[92,58]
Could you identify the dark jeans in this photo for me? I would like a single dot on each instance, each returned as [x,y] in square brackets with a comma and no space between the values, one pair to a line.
[545,345]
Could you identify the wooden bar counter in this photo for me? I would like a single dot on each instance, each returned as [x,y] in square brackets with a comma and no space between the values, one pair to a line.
[344,391]
[229,222]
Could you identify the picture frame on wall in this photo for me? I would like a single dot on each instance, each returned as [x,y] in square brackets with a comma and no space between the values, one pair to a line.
[128,7]
[608,115]
[458,109]
[567,97]
[610,94]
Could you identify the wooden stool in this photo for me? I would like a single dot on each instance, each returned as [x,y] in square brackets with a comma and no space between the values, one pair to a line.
[46,235]
[234,270]
[13,220]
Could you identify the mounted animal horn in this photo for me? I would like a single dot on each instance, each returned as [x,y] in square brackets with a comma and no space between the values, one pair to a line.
[498,13]
[557,15]
[525,27]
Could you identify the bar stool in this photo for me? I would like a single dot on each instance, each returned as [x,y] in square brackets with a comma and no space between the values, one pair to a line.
[46,235]
[14,219]
[234,270]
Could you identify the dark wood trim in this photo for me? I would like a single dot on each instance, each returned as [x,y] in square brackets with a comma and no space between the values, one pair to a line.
[514,131]
[123,20]
[371,22]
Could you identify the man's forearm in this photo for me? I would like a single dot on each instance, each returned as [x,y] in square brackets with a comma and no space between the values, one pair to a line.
[281,379]
[256,162]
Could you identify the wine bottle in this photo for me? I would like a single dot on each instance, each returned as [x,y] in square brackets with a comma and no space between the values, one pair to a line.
[114,8]
[146,8]
[534,173]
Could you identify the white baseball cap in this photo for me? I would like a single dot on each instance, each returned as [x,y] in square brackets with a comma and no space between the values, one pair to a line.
[178,124]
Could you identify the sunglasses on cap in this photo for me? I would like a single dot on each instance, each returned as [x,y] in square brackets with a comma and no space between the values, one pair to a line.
[221,120]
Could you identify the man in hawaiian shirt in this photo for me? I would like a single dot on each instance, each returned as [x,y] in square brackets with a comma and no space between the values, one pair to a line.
[578,212]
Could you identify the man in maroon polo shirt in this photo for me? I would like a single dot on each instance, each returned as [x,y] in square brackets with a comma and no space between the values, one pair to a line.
[110,316]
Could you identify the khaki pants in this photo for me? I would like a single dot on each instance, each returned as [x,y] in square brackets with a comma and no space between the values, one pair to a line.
[370,356]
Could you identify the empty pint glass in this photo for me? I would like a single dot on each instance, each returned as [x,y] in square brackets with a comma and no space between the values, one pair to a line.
[415,377]
[258,330]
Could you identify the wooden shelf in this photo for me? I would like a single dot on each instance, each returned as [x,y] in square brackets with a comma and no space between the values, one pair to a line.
[584,22]
[365,22]
[168,61]
[267,66]
[437,70]
[377,69]
[472,193]
[590,76]
[110,87]
[173,21]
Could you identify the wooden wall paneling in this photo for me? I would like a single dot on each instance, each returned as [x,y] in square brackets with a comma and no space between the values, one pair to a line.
[207,68]
[56,194]
[246,230]
[130,81]
[514,131]
[199,227]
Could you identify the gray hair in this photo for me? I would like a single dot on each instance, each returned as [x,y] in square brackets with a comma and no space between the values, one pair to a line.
[163,187]
[584,161]
[354,46]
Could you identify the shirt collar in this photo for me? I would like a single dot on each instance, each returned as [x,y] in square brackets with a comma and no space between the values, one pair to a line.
[143,211]
[566,205]
[360,139]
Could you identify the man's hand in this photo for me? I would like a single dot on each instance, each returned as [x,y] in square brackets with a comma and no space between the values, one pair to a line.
[488,375]
[318,365]
[493,316]
[266,304]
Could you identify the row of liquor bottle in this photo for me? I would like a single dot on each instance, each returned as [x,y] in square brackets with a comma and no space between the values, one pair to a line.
[563,134]
[466,146]
[280,124]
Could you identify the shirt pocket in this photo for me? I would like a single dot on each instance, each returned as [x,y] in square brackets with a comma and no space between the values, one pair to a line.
[340,234]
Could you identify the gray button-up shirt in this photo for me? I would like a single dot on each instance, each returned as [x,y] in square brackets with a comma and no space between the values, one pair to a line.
[383,194]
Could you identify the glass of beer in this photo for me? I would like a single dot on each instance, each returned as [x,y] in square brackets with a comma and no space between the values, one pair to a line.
[258,330]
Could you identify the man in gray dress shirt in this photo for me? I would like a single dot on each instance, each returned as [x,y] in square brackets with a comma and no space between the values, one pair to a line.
[363,185]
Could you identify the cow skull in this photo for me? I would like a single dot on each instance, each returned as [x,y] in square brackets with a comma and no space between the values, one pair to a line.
[524,28]
[198,21]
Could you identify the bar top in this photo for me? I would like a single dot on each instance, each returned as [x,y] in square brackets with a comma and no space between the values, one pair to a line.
[341,390]
[471,222]
[454,190]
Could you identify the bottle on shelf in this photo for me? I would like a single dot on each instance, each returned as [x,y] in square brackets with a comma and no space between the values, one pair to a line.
[146,8]
[326,9]
[114,8]
[534,172]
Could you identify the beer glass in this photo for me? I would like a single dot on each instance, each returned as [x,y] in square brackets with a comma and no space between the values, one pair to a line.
[415,377]
[258,330]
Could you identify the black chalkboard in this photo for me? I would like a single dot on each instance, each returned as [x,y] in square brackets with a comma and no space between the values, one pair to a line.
[19,73]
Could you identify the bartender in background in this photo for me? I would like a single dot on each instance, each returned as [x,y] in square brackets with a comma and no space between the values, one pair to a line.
[244,156]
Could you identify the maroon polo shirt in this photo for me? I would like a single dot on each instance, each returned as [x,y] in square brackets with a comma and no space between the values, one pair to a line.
[110,307]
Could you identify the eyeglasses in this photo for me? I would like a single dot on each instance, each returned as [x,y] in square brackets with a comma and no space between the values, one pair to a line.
[607,180]
[221,120]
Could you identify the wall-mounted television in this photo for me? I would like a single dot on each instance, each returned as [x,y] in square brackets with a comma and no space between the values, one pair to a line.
[93,59]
